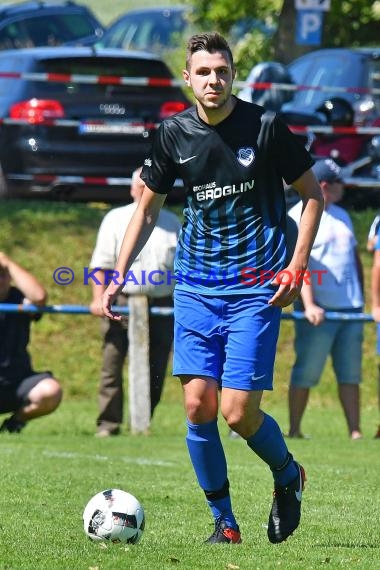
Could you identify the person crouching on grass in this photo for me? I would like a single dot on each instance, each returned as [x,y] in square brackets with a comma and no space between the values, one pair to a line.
[26,393]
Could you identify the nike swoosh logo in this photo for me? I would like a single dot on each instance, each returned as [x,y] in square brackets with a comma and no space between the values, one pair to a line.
[183,160]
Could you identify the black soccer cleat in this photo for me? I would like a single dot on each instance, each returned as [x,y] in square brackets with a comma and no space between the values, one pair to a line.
[224,534]
[11,425]
[285,513]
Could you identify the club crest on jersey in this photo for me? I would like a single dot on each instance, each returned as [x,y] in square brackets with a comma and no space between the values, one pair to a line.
[246,156]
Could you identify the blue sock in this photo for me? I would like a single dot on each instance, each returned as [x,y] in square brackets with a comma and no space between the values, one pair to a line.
[209,462]
[269,444]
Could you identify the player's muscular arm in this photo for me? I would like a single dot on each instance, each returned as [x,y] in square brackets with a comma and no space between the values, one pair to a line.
[313,203]
[308,188]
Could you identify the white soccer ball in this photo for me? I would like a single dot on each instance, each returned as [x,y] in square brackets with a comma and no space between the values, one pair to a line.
[114,515]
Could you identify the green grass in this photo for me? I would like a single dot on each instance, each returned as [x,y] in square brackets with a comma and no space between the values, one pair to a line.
[51,470]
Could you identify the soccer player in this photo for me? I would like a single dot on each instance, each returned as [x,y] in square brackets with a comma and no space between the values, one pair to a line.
[228,297]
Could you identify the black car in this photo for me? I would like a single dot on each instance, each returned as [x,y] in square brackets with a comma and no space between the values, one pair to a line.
[77,122]
[43,23]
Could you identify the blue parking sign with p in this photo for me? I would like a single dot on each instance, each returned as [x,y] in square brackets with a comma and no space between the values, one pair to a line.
[309,27]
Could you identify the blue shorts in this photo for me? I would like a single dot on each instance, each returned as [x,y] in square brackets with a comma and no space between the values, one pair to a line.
[230,338]
[313,344]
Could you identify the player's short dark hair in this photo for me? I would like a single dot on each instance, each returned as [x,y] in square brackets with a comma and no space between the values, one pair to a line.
[210,42]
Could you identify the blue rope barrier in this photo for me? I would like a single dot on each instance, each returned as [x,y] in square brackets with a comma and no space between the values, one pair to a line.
[164,311]
[67,309]
[330,316]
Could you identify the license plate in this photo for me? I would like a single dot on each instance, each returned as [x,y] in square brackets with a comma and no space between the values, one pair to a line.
[111,128]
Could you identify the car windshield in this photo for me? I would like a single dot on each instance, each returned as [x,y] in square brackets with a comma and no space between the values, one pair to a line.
[143,32]
[45,30]
[327,70]
[99,66]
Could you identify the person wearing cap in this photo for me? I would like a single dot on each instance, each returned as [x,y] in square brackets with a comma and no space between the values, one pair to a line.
[335,284]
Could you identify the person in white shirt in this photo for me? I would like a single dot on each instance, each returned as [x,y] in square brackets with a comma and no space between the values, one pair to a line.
[150,275]
[335,283]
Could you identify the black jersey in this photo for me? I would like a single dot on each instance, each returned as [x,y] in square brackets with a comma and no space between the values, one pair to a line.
[235,215]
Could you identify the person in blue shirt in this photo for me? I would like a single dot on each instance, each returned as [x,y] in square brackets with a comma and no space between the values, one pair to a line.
[231,277]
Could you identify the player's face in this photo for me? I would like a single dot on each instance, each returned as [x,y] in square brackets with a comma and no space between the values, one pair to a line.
[210,77]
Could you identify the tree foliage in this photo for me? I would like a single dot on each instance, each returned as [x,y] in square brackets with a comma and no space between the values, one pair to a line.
[352,23]
[348,23]
[221,14]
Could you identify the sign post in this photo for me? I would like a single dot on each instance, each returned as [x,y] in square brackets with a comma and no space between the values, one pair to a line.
[309,27]
[319,5]
[310,21]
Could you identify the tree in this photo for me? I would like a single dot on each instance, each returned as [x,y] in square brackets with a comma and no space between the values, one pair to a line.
[348,23]
[221,14]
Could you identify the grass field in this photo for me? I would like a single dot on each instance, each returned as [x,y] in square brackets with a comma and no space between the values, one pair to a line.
[56,465]
[51,470]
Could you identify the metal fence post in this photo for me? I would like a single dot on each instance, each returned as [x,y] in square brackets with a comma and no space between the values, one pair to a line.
[138,364]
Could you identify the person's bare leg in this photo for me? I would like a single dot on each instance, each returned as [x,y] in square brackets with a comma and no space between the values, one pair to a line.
[349,397]
[297,401]
[44,398]
[241,410]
